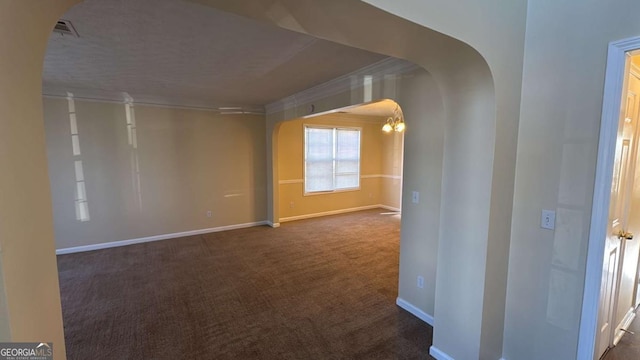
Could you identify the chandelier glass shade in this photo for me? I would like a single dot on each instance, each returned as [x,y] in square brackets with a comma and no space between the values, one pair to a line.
[394,122]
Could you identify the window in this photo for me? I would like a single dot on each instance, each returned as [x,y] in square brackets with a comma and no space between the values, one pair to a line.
[332,159]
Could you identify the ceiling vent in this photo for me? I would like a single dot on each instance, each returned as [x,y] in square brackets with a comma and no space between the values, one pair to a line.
[65,27]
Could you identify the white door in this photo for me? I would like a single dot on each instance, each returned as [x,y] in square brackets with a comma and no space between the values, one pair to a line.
[627,279]
[617,227]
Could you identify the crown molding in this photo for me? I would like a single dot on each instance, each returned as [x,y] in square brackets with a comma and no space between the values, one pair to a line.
[388,66]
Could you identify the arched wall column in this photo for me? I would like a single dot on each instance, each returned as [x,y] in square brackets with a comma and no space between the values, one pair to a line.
[31,293]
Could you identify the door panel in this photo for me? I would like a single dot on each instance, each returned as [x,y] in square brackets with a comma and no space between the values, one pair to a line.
[630,248]
[609,275]
[620,200]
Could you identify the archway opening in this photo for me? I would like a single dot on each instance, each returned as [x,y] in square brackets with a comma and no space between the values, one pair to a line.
[468,92]
[339,161]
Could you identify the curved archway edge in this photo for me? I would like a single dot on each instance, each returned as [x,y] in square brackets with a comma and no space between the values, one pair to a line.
[28,265]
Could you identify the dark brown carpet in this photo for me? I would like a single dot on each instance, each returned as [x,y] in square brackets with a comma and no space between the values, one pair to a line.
[313,289]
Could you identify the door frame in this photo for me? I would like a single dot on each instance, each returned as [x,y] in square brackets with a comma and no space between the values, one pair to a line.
[614,80]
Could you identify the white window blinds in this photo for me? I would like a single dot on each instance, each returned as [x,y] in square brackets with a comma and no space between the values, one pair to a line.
[332,159]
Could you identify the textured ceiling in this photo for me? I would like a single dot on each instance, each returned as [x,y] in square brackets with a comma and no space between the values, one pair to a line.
[171,49]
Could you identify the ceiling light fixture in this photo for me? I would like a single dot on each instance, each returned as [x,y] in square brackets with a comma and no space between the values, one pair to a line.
[394,122]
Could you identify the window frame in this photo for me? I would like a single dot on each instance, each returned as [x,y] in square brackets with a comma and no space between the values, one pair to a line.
[304,158]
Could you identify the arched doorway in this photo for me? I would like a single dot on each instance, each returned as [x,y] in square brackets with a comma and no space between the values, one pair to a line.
[470,144]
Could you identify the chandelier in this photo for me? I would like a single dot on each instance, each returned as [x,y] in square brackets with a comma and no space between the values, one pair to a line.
[394,122]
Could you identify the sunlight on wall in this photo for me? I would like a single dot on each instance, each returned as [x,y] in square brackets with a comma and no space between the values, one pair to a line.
[81,201]
[380,168]
[132,137]
[199,170]
[367,83]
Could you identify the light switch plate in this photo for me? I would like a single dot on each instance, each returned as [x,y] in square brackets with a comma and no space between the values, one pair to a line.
[548,219]
[415,197]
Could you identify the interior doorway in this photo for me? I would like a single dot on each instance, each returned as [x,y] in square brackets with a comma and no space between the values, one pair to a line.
[611,284]
[618,293]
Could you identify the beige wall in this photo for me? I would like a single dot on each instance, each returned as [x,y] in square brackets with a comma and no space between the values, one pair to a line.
[392,165]
[423,109]
[377,158]
[188,162]
[5,331]
[562,92]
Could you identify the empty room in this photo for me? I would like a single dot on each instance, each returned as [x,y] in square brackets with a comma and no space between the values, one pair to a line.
[316,179]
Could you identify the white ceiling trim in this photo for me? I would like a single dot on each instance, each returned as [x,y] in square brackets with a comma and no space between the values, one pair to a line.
[341,84]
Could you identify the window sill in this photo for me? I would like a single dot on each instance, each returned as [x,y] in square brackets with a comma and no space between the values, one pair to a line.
[330,191]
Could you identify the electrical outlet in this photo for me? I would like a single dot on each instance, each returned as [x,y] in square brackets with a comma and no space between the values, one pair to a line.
[291,205]
[420,282]
[548,219]
[415,197]
[209,213]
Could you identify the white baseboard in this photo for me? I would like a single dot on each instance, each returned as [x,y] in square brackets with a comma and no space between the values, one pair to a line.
[415,311]
[439,354]
[332,212]
[390,208]
[111,244]
[273,225]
